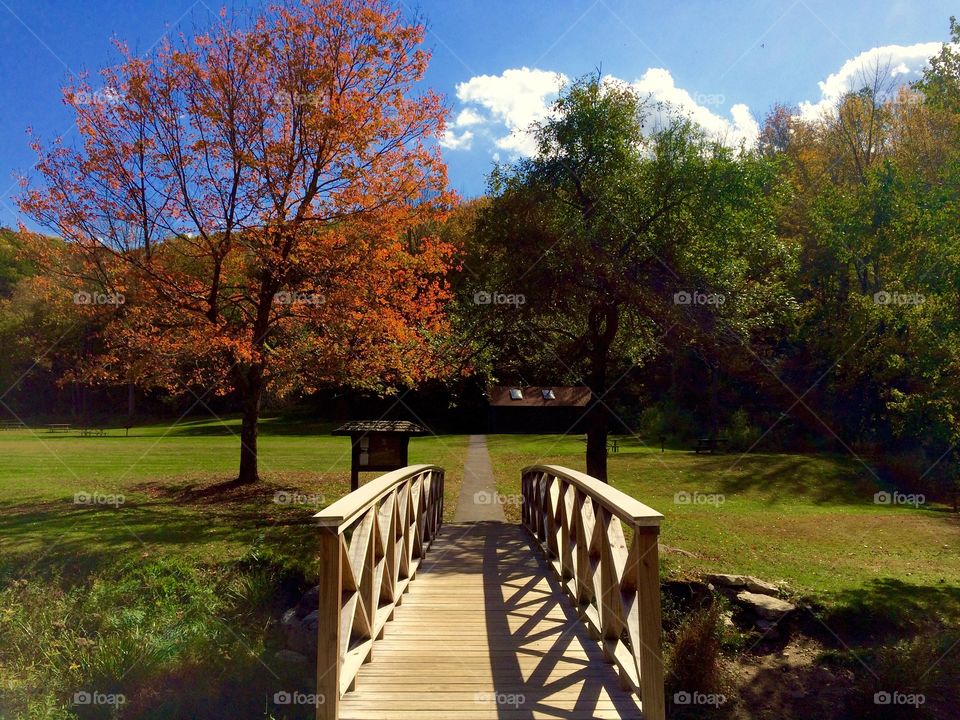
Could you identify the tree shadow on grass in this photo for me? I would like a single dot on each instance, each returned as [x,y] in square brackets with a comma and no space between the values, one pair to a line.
[887,609]
[203,520]
[782,476]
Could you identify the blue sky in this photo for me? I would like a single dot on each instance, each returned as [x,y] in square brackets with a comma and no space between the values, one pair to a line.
[498,62]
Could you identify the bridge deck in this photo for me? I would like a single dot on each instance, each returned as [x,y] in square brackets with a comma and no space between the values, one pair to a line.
[486,632]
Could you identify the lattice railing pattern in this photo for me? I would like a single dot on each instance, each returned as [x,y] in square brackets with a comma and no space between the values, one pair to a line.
[611,576]
[372,543]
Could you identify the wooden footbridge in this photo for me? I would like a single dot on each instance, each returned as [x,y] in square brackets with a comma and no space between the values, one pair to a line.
[559,618]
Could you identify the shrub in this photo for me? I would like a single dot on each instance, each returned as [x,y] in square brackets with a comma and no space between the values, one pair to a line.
[740,434]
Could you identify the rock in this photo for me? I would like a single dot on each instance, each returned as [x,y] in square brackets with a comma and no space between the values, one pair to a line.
[676,551]
[763,587]
[769,608]
[309,602]
[727,581]
[728,621]
[688,594]
[301,633]
[289,657]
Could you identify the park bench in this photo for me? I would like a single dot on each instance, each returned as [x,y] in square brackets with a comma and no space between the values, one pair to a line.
[58,427]
[711,445]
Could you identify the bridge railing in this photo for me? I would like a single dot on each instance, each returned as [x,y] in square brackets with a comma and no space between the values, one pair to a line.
[371,543]
[612,577]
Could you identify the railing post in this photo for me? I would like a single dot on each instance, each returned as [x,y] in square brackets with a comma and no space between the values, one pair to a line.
[647,579]
[328,625]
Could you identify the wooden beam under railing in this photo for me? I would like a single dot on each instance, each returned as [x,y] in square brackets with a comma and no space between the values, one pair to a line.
[371,544]
[578,522]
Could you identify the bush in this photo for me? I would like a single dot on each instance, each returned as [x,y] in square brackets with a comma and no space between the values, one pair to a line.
[695,665]
[740,434]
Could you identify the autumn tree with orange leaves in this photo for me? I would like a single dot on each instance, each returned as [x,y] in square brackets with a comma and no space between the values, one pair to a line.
[262,196]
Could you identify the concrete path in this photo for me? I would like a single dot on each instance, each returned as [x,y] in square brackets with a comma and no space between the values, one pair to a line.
[478,495]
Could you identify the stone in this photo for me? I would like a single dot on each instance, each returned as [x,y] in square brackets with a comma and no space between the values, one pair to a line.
[727,581]
[688,594]
[309,602]
[300,633]
[769,608]
[289,657]
[762,587]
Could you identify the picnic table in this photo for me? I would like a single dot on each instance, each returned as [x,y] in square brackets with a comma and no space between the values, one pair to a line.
[92,432]
[613,445]
[11,425]
[711,445]
[58,427]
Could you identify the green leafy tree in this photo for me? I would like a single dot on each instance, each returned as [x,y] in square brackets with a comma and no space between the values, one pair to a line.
[620,241]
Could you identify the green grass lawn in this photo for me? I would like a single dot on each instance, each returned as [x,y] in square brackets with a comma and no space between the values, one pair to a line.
[176,590]
[164,476]
[168,593]
[809,521]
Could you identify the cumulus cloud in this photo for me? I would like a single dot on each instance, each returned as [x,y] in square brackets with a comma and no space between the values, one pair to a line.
[904,63]
[516,98]
[452,141]
[519,97]
[659,86]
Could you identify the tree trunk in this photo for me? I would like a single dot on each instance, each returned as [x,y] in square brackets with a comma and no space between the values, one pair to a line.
[603,323]
[714,401]
[253,394]
[597,442]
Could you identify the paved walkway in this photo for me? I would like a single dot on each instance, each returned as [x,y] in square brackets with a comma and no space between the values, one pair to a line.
[478,496]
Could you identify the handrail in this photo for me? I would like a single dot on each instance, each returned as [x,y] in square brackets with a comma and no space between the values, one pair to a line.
[627,508]
[577,521]
[372,542]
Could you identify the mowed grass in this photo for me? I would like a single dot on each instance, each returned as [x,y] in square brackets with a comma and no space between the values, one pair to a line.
[809,521]
[167,589]
[158,489]
[171,596]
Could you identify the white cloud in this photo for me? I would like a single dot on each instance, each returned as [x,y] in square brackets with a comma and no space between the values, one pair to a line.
[516,98]
[452,141]
[904,63]
[659,86]
[467,117]
[519,97]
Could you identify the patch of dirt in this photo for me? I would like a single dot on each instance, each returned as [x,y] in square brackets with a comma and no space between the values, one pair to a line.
[788,683]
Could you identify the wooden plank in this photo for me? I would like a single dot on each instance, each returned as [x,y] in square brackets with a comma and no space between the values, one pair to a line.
[484,625]
[616,501]
[345,511]
[328,626]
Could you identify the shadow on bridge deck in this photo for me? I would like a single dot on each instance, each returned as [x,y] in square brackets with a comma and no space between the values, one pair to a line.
[486,632]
